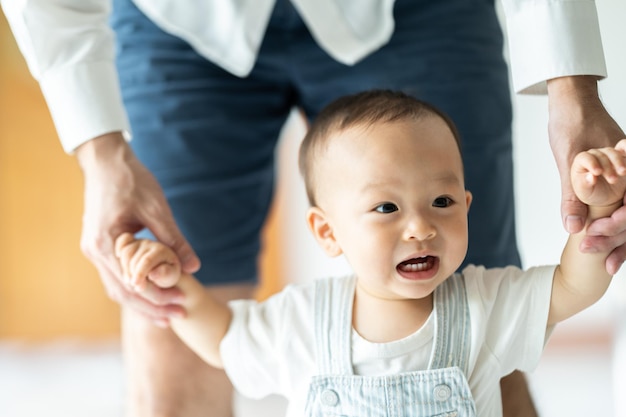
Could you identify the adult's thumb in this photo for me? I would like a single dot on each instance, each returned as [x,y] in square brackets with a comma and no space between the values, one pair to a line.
[167,232]
[574,215]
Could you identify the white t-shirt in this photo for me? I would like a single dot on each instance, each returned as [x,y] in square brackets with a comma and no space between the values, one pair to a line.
[69,48]
[270,347]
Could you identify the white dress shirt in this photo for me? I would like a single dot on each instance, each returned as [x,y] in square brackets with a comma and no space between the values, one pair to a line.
[69,47]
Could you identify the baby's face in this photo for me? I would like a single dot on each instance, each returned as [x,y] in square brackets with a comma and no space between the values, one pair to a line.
[394,197]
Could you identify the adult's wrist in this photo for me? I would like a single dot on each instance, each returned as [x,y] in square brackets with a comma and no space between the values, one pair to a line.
[101,148]
[572,101]
[582,89]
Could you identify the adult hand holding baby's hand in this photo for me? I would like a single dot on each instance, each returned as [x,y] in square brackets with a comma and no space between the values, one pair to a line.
[599,175]
[146,262]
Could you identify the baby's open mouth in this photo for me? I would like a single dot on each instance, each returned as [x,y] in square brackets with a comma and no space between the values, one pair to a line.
[417,264]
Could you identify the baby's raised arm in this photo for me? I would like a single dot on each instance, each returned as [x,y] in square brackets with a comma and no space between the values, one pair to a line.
[599,180]
[146,262]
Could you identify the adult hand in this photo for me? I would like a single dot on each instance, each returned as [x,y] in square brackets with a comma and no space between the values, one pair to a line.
[578,121]
[121,195]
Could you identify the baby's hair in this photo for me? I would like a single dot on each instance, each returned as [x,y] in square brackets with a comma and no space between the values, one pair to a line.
[361,109]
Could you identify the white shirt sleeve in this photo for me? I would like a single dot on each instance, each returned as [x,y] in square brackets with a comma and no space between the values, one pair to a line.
[510,309]
[69,49]
[269,347]
[552,38]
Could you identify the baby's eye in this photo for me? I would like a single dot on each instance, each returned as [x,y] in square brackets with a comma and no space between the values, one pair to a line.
[442,202]
[386,208]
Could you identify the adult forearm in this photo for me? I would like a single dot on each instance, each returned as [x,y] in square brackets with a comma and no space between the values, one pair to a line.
[578,122]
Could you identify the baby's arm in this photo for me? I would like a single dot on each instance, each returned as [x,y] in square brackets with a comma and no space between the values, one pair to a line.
[146,262]
[599,180]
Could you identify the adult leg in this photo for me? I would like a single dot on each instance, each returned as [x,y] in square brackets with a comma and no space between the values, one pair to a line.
[209,138]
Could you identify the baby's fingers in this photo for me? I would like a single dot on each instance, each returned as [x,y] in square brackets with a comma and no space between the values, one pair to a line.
[122,243]
[157,263]
[589,165]
[621,146]
[606,162]
[125,249]
[618,158]
[166,275]
[613,163]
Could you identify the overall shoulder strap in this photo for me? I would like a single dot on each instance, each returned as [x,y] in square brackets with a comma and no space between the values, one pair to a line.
[333,325]
[453,328]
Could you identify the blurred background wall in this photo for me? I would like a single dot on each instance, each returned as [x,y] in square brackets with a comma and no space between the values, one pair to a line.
[47,288]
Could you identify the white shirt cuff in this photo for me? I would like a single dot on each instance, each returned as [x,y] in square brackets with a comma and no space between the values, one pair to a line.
[553,39]
[85,102]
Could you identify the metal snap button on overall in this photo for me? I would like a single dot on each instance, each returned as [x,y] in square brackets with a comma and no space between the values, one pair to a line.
[329,398]
[442,392]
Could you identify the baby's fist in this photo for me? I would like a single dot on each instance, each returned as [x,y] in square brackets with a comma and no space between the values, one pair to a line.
[146,261]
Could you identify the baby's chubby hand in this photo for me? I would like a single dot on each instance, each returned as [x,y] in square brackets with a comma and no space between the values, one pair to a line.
[145,261]
[599,175]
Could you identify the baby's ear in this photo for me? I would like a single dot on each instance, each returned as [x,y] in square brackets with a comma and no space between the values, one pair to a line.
[468,199]
[322,231]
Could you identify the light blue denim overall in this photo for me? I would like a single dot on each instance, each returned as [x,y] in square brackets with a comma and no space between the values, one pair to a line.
[441,390]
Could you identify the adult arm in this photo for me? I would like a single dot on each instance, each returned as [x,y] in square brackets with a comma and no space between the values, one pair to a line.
[578,122]
[121,195]
[555,47]
[69,49]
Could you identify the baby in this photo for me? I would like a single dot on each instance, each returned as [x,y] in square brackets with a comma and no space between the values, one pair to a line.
[405,334]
